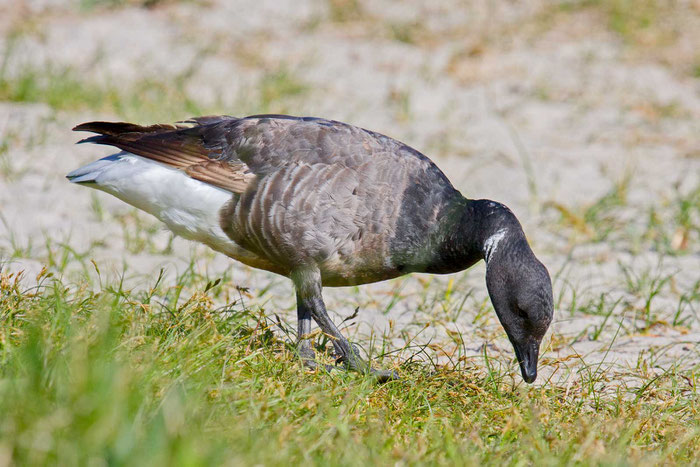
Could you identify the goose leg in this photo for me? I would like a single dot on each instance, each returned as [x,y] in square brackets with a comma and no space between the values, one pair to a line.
[309,298]
[306,351]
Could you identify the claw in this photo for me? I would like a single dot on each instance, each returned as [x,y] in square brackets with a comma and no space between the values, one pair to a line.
[355,363]
[314,365]
[385,375]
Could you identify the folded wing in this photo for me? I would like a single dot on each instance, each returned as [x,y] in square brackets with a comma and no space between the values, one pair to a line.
[181,146]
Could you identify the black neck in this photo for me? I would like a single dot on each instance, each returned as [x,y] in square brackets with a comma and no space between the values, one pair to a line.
[472,230]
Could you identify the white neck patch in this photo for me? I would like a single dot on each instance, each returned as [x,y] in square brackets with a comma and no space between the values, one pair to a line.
[491,243]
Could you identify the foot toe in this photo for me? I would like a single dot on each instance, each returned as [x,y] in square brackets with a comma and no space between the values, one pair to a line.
[385,375]
[306,353]
[314,365]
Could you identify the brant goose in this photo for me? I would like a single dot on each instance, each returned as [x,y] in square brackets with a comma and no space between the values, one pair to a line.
[325,204]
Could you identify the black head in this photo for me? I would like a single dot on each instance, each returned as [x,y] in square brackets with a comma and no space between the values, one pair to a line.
[521,293]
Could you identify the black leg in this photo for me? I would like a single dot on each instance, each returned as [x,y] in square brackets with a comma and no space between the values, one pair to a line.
[343,348]
[304,347]
[306,351]
[310,300]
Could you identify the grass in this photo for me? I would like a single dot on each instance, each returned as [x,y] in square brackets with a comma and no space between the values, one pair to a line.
[61,88]
[150,99]
[399,101]
[141,234]
[163,376]
[627,18]
[649,30]
[668,225]
[8,170]
[276,87]
[189,370]
[341,11]
[15,246]
[147,100]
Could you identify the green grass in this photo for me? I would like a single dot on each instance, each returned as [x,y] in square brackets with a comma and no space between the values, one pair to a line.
[94,373]
[7,166]
[62,89]
[695,69]
[150,99]
[162,376]
[276,88]
[626,17]
[668,225]
[341,11]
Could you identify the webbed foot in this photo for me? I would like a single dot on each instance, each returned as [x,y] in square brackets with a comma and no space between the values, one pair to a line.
[353,361]
[308,358]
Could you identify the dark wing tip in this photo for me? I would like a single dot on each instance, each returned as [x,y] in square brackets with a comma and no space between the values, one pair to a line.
[97,139]
[109,128]
[122,128]
[87,126]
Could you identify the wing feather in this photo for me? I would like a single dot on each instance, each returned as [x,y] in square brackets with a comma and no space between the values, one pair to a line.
[181,146]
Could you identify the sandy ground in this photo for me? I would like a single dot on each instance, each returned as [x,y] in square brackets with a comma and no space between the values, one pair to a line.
[546,110]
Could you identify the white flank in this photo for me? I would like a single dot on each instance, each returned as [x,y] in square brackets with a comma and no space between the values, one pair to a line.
[188,207]
[491,243]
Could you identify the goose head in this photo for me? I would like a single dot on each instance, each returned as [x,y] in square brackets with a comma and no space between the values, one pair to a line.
[521,293]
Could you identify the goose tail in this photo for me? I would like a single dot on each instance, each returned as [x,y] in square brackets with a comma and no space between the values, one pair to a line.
[90,173]
[190,208]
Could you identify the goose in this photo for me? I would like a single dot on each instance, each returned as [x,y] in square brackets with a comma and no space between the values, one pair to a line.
[326,204]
